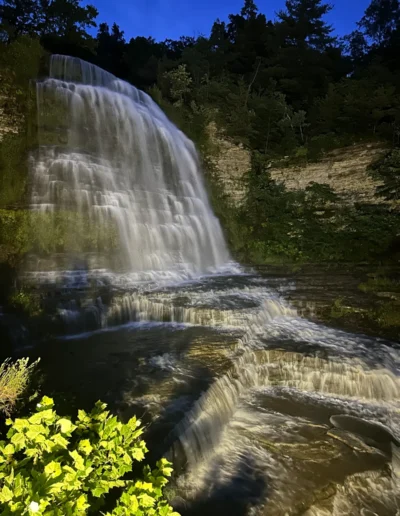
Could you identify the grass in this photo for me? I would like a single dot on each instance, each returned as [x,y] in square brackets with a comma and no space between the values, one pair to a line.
[14,379]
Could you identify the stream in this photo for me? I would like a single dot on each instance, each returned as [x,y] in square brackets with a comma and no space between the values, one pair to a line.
[261,410]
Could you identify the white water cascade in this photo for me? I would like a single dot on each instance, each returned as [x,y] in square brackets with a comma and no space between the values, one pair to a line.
[240,389]
[119,160]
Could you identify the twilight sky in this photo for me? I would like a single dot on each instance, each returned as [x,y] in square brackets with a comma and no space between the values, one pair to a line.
[163,19]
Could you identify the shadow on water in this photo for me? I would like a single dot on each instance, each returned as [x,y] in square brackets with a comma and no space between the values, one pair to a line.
[150,373]
[236,495]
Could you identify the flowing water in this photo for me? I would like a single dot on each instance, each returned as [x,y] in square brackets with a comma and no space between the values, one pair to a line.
[123,161]
[236,387]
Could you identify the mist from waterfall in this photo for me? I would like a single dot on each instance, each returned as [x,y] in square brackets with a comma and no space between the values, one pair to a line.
[108,152]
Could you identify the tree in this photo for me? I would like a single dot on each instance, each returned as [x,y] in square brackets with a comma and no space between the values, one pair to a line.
[111,48]
[249,10]
[179,81]
[381,19]
[19,17]
[66,17]
[356,46]
[303,24]
[61,18]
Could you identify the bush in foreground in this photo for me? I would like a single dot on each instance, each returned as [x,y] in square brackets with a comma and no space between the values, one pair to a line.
[54,467]
[14,379]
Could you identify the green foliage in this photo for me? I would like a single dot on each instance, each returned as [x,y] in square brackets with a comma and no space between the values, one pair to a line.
[357,108]
[382,317]
[50,465]
[19,64]
[387,170]
[22,231]
[14,379]
[64,18]
[25,302]
[276,224]
[13,169]
[178,82]
[339,309]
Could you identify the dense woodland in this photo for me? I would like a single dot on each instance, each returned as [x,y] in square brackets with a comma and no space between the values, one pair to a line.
[281,86]
[288,89]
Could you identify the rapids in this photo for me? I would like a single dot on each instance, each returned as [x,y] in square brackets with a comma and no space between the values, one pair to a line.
[236,387]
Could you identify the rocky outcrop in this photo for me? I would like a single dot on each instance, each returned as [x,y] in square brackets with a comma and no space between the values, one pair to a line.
[344,170]
[231,162]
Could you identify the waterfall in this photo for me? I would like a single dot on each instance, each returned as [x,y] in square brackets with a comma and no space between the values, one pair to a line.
[108,152]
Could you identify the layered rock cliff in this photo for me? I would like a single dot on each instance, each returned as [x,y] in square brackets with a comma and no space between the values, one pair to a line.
[344,170]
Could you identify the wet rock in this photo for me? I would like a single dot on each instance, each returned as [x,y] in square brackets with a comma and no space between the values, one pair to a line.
[179,504]
[13,335]
[372,433]
[350,440]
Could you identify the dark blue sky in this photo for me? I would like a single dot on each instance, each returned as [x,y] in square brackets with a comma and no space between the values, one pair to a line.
[174,18]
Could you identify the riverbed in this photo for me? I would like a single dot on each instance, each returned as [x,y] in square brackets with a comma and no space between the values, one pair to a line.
[237,387]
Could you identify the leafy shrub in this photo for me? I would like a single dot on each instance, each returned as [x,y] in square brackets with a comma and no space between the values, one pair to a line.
[26,302]
[51,466]
[275,224]
[338,309]
[14,379]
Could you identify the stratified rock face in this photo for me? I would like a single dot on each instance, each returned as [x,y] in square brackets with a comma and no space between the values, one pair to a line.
[344,170]
[231,163]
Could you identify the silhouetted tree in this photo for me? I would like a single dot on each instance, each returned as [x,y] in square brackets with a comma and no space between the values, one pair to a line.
[303,24]
[381,19]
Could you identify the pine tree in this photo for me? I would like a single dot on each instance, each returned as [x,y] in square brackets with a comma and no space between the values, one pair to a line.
[303,24]
[249,9]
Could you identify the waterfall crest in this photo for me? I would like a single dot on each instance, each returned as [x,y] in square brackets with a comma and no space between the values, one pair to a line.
[107,151]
